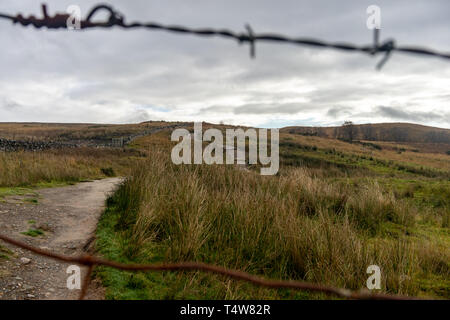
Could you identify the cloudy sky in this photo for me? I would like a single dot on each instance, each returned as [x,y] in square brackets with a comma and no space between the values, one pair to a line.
[120,76]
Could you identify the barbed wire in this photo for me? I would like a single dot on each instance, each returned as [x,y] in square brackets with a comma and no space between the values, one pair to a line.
[91,262]
[60,21]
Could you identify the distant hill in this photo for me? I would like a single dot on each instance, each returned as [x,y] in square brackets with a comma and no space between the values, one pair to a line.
[392,132]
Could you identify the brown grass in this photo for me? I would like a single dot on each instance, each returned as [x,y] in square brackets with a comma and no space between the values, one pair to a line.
[291,227]
[431,160]
[66,165]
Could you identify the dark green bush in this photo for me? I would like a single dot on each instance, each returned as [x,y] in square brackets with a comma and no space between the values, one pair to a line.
[109,172]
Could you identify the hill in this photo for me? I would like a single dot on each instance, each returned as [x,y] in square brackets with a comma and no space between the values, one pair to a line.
[391,132]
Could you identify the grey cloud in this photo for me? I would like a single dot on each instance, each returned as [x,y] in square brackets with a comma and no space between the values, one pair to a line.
[284,108]
[138,116]
[256,108]
[398,114]
[107,75]
[337,111]
[9,105]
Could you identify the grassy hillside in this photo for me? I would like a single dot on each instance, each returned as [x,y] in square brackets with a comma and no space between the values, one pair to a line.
[394,132]
[64,165]
[334,209]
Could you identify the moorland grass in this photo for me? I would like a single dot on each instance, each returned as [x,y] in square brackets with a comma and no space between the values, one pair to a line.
[23,169]
[292,226]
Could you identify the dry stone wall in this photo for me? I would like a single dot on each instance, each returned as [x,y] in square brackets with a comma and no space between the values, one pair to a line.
[18,145]
[7,145]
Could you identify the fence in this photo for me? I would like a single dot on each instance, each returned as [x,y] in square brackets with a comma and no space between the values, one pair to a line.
[91,262]
[59,21]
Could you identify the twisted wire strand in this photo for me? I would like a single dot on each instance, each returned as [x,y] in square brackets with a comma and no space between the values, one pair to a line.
[91,262]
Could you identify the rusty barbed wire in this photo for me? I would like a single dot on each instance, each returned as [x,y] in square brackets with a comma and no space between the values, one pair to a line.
[91,262]
[59,21]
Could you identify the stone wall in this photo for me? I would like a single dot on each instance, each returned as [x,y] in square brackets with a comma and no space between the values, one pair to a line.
[18,145]
[34,145]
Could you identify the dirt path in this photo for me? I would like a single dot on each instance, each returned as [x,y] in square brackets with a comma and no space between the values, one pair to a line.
[68,217]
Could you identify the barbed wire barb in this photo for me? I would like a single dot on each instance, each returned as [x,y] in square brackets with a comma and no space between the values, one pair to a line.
[59,21]
[251,39]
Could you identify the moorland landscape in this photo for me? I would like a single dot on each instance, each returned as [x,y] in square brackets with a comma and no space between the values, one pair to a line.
[344,198]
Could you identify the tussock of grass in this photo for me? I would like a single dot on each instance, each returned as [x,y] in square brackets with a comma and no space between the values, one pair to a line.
[33,233]
[109,172]
[5,253]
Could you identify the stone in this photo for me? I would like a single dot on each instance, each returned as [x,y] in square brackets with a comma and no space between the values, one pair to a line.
[27,287]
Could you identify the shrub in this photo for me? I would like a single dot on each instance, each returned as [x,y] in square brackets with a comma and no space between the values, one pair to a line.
[109,172]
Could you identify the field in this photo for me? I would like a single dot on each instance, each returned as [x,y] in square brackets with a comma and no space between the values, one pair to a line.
[334,208]
[71,132]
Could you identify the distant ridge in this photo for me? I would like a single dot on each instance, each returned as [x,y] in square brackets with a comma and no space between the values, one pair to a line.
[392,132]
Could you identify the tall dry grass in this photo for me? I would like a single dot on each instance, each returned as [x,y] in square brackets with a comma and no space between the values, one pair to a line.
[291,227]
[66,165]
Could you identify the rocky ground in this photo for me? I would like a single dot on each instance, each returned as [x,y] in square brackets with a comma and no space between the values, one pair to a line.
[64,221]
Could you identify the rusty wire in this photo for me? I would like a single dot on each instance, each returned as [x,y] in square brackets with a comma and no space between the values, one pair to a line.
[91,262]
[59,21]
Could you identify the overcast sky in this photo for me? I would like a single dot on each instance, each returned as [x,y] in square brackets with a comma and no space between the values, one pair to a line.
[120,76]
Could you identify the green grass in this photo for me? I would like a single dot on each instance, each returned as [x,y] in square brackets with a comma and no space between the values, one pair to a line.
[17,191]
[5,253]
[33,233]
[109,172]
[30,190]
[32,200]
[122,285]
[163,285]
